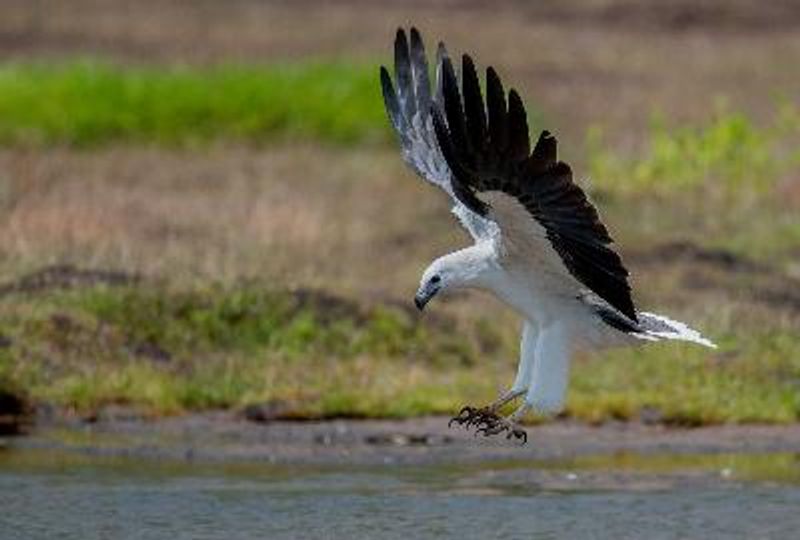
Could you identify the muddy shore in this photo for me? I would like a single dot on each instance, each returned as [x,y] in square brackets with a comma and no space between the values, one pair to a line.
[226,437]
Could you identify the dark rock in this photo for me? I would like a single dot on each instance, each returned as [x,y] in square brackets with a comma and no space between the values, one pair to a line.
[15,414]
[266,412]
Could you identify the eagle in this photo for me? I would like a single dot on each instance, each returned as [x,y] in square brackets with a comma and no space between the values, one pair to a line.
[539,244]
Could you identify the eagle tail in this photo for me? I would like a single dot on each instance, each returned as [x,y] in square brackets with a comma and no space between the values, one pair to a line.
[657,327]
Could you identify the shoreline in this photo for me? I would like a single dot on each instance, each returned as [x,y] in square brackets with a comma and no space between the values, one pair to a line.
[224,437]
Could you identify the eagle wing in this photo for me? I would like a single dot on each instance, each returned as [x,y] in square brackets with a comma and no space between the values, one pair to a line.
[409,106]
[545,219]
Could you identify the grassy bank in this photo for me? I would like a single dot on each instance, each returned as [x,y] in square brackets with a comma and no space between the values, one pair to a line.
[308,353]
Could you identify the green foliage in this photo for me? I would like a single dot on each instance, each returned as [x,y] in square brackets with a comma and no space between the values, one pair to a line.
[687,385]
[215,347]
[730,152]
[90,103]
[249,319]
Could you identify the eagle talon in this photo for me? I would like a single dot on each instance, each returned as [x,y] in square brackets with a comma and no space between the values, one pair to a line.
[487,421]
[481,418]
[498,425]
[464,416]
[495,428]
[518,434]
[467,410]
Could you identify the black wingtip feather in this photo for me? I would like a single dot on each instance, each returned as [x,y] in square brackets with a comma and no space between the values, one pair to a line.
[390,100]
[519,142]
[419,70]
[400,45]
[416,40]
[402,70]
[497,111]
[546,148]
[473,105]
[453,109]
[441,52]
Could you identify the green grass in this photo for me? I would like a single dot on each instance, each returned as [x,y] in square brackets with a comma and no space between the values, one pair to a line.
[684,385]
[85,103]
[167,350]
[729,152]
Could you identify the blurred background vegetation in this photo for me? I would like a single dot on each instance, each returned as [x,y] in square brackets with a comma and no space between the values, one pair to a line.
[202,206]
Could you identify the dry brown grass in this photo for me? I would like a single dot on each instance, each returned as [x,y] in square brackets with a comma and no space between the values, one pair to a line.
[298,215]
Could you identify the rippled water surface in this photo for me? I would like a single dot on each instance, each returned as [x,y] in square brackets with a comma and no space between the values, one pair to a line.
[45,494]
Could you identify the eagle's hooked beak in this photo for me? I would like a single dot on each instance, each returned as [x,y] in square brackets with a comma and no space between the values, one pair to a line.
[424,296]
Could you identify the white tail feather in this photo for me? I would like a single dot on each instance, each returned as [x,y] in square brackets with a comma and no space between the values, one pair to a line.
[658,327]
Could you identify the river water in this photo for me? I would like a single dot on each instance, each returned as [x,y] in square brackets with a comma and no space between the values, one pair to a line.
[47,494]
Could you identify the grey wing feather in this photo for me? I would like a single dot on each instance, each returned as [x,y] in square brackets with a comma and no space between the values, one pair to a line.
[409,108]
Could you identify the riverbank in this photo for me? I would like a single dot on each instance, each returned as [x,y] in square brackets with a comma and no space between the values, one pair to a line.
[227,437]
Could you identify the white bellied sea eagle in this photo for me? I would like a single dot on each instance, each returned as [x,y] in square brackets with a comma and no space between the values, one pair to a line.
[539,243]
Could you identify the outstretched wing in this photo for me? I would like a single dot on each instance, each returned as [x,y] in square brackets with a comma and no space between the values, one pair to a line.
[409,108]
[545,219]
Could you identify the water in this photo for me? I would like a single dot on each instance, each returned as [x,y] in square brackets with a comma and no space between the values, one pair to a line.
[50,495]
